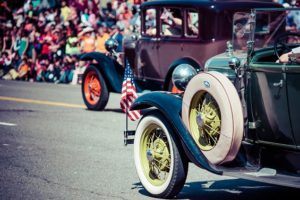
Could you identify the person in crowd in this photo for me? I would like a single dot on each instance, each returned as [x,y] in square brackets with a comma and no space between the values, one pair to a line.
[72,44]
[150,22]
[8,41]
[118,35]
[172,23]
[24,69]
[41,66]
[110,15]
[87,40]
[66,74]
[65,11]
[101,38]
[5,63]
[22,43]
[5,12]
[84,17]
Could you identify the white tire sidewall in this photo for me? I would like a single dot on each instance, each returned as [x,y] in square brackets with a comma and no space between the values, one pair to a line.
[230,107]
[144,123]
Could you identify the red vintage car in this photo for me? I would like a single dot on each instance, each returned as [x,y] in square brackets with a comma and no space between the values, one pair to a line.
[172,33]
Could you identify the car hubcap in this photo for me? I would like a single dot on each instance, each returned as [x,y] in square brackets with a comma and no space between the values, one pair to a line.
[92,87]
[205,121]
[155,155]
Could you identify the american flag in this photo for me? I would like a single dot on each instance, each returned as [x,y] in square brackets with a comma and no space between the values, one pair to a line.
[129,94]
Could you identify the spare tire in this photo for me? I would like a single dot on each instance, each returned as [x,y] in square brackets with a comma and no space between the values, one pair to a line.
[212,112]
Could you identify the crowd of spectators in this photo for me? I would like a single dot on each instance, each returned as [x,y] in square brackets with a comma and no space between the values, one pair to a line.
[42,39]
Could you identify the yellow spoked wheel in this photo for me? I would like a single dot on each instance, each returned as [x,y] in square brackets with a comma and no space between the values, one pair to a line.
[205,120]
[155,155]
[158,162]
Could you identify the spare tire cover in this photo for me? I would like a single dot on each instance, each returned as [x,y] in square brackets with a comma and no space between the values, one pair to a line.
[232,122]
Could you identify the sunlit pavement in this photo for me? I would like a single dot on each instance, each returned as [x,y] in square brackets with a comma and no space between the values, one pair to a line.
[51,147]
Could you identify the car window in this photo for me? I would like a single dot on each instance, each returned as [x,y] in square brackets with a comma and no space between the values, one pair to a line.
[149,27]
[192,25]
[171,22]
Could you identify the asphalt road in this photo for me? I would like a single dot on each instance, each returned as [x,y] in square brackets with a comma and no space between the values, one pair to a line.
[51,147]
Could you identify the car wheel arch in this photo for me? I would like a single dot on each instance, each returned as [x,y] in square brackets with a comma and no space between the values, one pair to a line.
[103,64]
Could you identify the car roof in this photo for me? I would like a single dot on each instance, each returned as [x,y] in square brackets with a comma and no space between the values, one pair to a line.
[216,4]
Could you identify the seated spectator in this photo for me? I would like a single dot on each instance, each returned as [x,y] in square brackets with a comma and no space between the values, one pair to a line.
[193,24]
[5,63]
[87,40]
[150,22]
[171,25]
[66,74]
[23,69]
[284,58]
[40,67]
[72,44]
[101,39]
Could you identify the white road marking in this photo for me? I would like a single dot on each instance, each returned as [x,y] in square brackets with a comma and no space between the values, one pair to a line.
[7,124]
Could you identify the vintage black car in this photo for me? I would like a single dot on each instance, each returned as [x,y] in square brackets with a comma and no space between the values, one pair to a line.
[238,118]
[172,33]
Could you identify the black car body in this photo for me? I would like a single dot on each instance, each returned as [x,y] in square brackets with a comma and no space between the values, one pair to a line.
[239,117]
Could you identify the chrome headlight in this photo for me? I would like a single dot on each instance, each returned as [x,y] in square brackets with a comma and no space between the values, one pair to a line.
[182,74]
[111,45]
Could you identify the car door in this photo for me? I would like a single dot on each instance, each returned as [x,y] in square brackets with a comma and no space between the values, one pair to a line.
[146,49]
[269,104]
[170,47]
[293,90]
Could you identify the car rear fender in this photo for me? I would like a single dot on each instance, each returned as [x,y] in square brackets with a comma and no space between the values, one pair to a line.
[111,70]
[170,106]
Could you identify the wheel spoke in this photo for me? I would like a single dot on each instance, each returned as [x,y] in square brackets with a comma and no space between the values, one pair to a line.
[214,130]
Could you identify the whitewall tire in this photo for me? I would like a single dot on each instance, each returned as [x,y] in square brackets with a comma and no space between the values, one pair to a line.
[159,164]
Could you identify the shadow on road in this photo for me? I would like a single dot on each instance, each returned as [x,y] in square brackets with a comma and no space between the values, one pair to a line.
[230,189]
[116,110]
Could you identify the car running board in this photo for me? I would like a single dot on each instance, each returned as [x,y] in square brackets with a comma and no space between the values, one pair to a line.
[265,175]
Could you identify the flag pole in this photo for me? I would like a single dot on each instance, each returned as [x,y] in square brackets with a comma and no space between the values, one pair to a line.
[126,126]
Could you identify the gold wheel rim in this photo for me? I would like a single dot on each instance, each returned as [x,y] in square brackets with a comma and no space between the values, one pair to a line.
[205,120]
[155,155]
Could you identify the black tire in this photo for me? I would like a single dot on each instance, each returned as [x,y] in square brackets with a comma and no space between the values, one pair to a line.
[172,88]
[178,164]
[92,101]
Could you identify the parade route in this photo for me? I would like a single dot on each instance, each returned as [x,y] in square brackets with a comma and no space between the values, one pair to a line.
[51,147]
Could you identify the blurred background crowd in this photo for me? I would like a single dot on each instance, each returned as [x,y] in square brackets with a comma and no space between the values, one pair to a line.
[41,40]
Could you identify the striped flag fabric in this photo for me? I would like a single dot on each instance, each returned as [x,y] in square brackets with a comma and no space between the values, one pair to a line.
[128,94]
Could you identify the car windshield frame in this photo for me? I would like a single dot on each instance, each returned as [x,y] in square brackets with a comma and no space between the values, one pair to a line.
[247,31]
